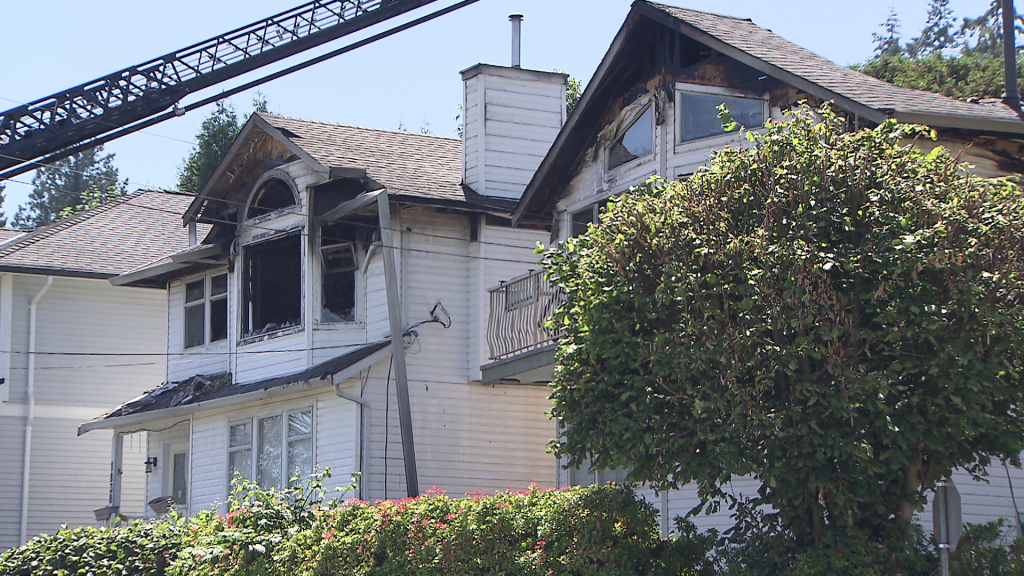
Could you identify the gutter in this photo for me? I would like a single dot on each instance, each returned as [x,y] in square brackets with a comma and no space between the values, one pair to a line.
[31,391]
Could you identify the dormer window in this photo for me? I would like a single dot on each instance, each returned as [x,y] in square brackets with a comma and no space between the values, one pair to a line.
[636,142]
[272,285]
[698,111]
[272,195]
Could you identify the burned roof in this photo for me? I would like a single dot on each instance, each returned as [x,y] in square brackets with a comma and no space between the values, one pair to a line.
[105,241]
[774,50]
[759,50]
[191,392]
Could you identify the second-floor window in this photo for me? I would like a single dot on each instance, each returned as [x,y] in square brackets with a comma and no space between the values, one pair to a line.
[206,310]
[635,142]
[272,285]
[698,111]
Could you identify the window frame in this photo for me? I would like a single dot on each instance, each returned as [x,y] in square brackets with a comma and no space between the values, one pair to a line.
[275,174]
[254,444]
[242,315]
[714,140]
[207,304]
[621,133]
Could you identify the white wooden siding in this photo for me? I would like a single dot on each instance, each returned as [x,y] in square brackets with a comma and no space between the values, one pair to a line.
[511,117]
[182,364]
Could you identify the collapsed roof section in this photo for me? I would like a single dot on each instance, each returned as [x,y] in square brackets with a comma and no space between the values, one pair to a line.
[736,53]
[218,390]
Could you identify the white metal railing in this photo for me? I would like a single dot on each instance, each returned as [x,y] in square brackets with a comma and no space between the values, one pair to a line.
[520,308]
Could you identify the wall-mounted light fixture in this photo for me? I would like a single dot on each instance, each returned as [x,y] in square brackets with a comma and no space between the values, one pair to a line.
[150,464]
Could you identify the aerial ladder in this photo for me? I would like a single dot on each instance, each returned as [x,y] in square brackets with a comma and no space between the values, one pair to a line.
[140,96]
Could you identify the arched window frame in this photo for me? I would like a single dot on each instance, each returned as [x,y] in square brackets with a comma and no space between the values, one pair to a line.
[275,174]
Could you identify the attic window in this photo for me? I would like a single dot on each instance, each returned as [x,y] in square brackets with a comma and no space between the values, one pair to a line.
[272,195]
[272,286]
[699,114]
[636,142]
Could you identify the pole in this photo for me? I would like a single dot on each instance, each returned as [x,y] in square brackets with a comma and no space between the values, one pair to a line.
[1012,96]
[943,535]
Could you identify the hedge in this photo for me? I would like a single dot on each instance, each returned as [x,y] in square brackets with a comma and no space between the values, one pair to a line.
[603,530]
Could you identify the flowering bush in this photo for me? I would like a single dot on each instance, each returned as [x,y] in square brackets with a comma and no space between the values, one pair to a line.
[579,531]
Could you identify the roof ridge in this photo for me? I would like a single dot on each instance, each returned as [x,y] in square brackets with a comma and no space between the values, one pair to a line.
[367,128]
[49,230]
[662,6]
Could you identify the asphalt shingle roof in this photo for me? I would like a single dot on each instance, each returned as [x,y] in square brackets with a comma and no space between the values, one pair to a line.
[105,241]
[769,47]
[406,163]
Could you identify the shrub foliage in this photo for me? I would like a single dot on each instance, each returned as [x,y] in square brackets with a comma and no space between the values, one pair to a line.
[578,531]
[835,313]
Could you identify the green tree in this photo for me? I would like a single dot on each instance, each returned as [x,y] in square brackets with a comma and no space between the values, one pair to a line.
[92,198]
[63,183]
[888,43]
[833,313]
[939,32]
[573,91]
[3,216]
[216,134]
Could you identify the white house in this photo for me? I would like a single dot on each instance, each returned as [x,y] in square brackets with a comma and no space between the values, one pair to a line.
[70,346]
[650,110]
[335,314]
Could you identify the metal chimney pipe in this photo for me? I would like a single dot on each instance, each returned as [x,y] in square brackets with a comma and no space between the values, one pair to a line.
[1012,95]
[517,29]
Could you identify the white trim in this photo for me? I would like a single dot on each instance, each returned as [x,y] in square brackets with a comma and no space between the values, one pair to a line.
[716,140]
[207,300]
[609,172]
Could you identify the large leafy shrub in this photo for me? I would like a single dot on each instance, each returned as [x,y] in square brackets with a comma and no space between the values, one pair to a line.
[833,313]
[575,531]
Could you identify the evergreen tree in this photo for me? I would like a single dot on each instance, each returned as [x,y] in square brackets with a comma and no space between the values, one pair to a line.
[64,183]
[888,43]
[3,216]
[939,31]
[215,136]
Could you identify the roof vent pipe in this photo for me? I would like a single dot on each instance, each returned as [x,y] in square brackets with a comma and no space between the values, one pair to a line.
[517,28]
[1012,96]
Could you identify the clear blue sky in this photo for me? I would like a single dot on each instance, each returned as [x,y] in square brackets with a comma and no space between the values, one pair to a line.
[411,78]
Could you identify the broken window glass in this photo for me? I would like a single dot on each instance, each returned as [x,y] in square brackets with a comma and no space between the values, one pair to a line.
[636,142]
[274,194]
[272,286]
[341,244]
[700,114]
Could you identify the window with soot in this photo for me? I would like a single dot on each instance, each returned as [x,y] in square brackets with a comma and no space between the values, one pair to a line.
[341,245]
[272,286]
[273,195]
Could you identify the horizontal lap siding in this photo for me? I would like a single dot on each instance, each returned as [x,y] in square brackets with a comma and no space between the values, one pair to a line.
[12,430]
[171,432]
[333,442]
[274,357]
[182,364]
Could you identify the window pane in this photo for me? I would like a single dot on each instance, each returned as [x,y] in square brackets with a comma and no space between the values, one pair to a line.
[219,284]
[194,291]
[218,319]
[273,195]
[300,423]
[179,490]
[300,458]
[581,221]
[195,328]
[637,142]
[700,114]
[240,434]
[240,462]
[268,463]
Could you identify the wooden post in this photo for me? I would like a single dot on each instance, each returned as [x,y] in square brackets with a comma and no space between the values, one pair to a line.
[398,345]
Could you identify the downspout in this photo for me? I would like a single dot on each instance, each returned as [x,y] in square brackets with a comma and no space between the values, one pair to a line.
[361,407]
[31,399]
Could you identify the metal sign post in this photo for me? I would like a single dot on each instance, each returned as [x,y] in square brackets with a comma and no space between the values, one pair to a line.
[947,521]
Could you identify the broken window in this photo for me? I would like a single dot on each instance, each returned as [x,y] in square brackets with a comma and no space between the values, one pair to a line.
[274,194]
[699,114]
[341,244]
[636,142]
[272,286]
[206,310]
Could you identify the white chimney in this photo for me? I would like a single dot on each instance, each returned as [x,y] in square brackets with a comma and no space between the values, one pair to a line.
[511,117]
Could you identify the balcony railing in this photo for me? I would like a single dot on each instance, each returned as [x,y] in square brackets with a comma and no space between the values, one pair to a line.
[519,310]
